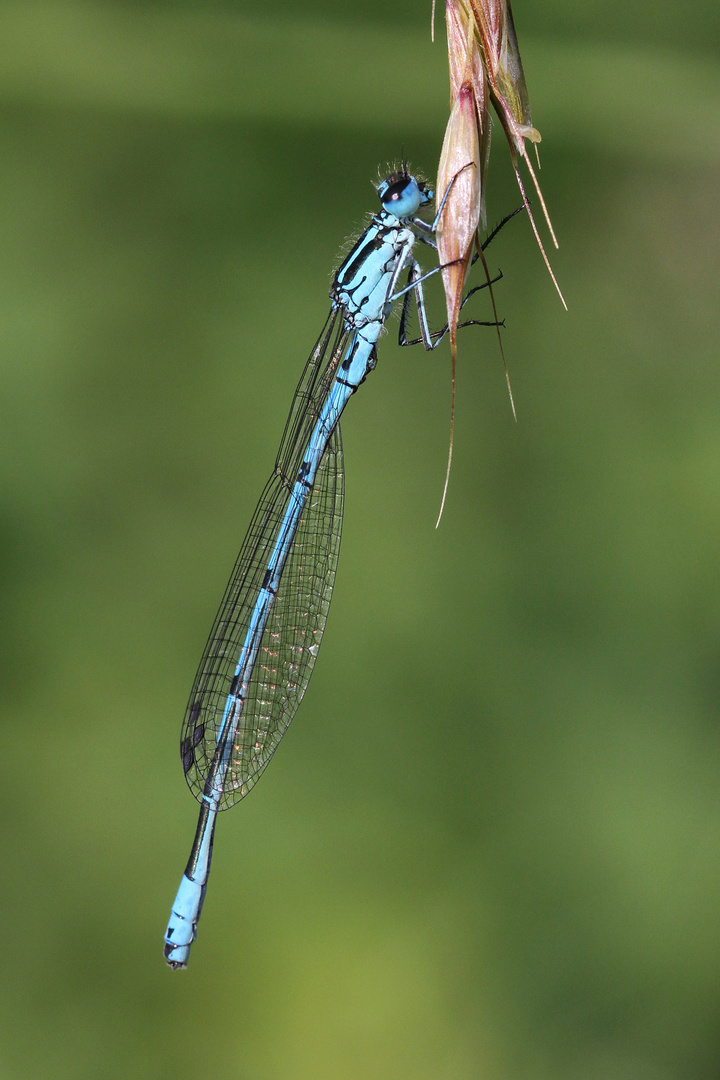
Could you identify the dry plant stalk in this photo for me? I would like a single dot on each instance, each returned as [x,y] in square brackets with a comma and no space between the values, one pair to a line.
[485,68]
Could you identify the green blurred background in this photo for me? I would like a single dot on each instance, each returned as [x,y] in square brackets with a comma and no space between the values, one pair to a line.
[488,846]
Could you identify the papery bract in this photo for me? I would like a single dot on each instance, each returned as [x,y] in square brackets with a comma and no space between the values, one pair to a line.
[464,157]
[458,224]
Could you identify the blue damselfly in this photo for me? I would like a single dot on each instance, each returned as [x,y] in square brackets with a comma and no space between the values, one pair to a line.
[265,639]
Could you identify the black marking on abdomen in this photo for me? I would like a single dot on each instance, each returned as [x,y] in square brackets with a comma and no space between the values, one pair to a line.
[269,574]
[302,474]
[347,362]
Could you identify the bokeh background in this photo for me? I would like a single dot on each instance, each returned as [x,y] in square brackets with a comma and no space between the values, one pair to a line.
[488,846]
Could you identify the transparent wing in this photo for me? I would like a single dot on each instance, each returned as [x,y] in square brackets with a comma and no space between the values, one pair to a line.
[291,639]
[311,393]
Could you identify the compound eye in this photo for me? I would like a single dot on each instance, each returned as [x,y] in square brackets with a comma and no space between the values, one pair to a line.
[400,195]
[426,193]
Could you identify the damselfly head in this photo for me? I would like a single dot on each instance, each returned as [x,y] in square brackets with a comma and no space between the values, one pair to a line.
[402,195]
